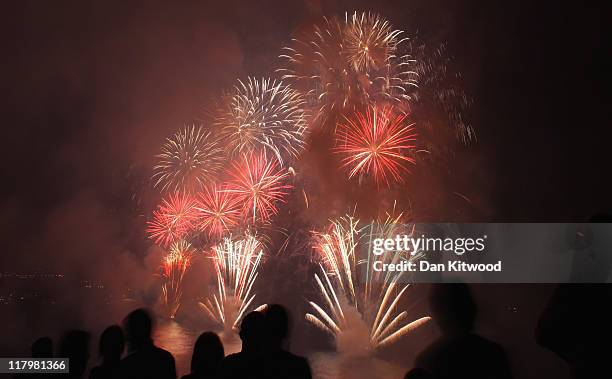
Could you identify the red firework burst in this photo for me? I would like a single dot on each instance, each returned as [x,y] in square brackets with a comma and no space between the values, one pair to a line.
[174,266]
[258,184]
[376,142]
[173,219]
[218,210]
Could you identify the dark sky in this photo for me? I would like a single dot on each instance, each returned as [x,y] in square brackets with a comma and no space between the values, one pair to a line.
[90,90]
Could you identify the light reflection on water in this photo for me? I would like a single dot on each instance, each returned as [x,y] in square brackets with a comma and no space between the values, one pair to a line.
[327,365]
[179,340]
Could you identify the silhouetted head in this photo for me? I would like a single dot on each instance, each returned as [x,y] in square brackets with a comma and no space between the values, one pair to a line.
[111,343]
[277,324]
[251,329]
[417,373]
[42,348]
[207,353]
[601,218]
[75,346]
[590,245]
[452,307]
[137,327]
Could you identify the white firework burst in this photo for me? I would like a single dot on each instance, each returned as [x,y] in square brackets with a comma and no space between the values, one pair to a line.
[189,160]
[236,265]
[263,116]
[359,302]
[351,63]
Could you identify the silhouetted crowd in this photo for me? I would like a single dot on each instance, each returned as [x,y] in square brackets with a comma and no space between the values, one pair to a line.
[458,353]
[262,356]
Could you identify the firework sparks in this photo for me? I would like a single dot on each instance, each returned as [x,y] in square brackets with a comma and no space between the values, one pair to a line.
[218,210]
[173,219]
[440,96]
[190,159]
[370,42]
[376,143]
[351,303]
[258,184]
[350,63]
[236,264]
[174,266]
[263,116]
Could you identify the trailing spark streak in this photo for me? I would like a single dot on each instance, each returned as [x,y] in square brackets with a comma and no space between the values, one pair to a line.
[440,99]
[174,266]
[352,300]
[236,263]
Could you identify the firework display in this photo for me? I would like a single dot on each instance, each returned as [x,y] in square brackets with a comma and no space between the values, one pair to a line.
[188,160]
[348,64]
[263,115]
[259,185]
[376,143]
[218,210]
[174,266]
[356,303]
[172,219]
[440,97]
[369,41]
[361,90]
[236,264]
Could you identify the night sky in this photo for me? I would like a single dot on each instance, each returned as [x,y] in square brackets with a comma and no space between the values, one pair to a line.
[90,91]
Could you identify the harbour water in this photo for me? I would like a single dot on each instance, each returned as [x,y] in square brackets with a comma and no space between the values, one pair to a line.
[179,340]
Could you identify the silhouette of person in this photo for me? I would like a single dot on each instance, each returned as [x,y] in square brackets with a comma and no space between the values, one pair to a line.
[75,346]
[42,348]
[207,356]
[279,363]
[111,347]
[144,359]
[458,353]
[575,323]
[248,362]
[417,373]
